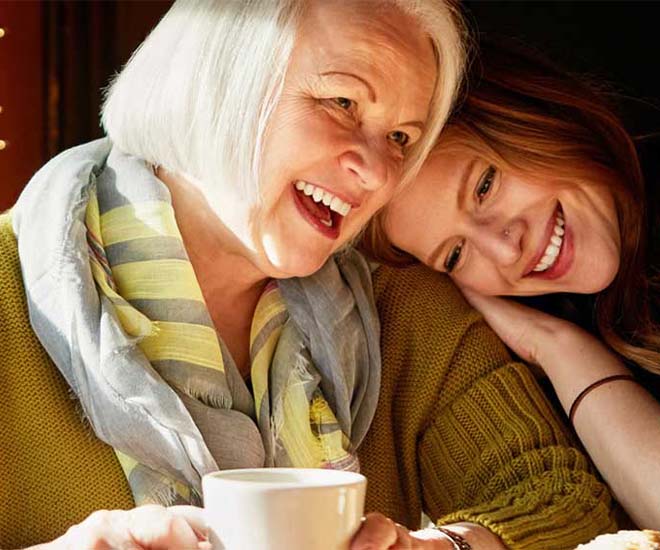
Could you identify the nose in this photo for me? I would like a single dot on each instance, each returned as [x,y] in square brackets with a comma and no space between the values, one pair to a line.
[367,163]
[502,243]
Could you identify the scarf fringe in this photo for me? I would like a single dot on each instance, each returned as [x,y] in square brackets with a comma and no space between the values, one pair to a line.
[207,396]
[299,375]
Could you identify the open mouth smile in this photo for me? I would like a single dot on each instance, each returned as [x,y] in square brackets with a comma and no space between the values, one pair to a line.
[553,249]
[556,254]
[322,209]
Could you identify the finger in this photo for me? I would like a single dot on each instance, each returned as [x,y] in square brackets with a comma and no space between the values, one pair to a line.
[376,533]
[157,528]
[494,308]
[404,541]
[99,531]
[195,518]
[520,327]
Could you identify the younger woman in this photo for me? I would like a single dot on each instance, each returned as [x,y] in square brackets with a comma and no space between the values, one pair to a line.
[536,188]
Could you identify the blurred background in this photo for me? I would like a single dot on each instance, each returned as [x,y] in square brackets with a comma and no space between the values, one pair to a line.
[56,57]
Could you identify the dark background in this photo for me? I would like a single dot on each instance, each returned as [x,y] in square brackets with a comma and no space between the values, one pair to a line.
[57,55]
[611,43]
[616,42]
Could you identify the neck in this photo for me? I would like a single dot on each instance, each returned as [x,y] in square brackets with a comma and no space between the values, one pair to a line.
[230,282]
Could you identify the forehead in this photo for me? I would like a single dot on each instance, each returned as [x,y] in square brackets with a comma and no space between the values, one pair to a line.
[374,39]
[442,174]
[432,196]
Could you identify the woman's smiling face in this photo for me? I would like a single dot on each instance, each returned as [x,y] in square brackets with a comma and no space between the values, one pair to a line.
[356,96]
[507,233]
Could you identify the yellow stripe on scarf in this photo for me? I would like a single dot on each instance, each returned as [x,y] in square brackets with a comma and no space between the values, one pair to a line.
[261,367]
[309,432]
[301,444]
[139,220]
[157,280]
[131,466]
[176,338]
[269,306]
[195,344]
[132,321]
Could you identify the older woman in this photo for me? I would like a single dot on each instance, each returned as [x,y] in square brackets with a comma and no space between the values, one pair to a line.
[536,188]
[249,142]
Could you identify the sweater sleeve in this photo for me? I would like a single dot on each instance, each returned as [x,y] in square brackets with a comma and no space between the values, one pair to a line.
[495,453]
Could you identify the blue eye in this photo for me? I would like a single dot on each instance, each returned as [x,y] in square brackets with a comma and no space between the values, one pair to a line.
[344,102]
[454,256]
[399,137]
[485,183]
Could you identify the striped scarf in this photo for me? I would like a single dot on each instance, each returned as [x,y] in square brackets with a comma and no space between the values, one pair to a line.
[139,263]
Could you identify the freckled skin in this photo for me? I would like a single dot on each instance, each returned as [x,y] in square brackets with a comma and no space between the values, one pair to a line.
[505,230]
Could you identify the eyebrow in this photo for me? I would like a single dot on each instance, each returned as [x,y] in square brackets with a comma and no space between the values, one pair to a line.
[462,188]
[460,199]
[372,92]
[415,123]
[372,96]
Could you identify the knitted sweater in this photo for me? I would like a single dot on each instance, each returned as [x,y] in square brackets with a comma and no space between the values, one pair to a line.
[460,431]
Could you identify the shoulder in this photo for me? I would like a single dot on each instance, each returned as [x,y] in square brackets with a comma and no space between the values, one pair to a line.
[429,332]
[12,293]
[420,294]
[10,274]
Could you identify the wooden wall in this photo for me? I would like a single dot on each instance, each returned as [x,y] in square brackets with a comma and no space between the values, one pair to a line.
[57,55]
[55,59]
[22,85]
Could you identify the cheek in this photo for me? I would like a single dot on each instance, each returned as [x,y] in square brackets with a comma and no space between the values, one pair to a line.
[292,131]
[481,279]
[602,268]
[302,120]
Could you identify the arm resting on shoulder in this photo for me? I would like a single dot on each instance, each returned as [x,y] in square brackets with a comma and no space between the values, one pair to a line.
[495,454]
[617,421]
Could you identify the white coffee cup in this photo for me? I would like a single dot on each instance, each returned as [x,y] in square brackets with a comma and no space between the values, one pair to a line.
[283,508]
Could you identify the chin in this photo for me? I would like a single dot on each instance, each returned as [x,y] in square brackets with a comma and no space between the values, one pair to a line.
[300,266]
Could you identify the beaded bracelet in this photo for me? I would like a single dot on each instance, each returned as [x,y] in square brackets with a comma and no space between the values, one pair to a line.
[593,386]
[459,542]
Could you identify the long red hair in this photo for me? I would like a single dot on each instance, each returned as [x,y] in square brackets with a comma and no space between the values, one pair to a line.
[522,112]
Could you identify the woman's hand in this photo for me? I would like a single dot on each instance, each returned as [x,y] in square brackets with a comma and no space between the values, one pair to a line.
[381,533]
[145,528]
[571,357]
[528,332]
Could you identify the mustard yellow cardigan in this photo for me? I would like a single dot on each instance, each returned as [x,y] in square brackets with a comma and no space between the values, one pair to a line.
[460,432]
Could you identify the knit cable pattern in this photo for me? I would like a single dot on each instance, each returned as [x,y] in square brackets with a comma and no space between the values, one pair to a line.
[465,434]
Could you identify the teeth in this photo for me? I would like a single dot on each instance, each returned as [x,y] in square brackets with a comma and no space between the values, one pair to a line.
[321,195]
[552,250]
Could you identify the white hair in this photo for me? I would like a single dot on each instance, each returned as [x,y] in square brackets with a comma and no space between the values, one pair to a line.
[196,97]
[442,21]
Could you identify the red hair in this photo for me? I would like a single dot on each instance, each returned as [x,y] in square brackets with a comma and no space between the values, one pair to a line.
[524,113]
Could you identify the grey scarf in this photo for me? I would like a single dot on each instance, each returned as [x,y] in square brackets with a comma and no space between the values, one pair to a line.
[129,405]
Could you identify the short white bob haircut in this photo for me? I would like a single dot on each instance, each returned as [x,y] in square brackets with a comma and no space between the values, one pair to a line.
[196,97]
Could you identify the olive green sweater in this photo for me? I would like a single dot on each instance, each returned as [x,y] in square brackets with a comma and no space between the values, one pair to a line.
[460,432]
